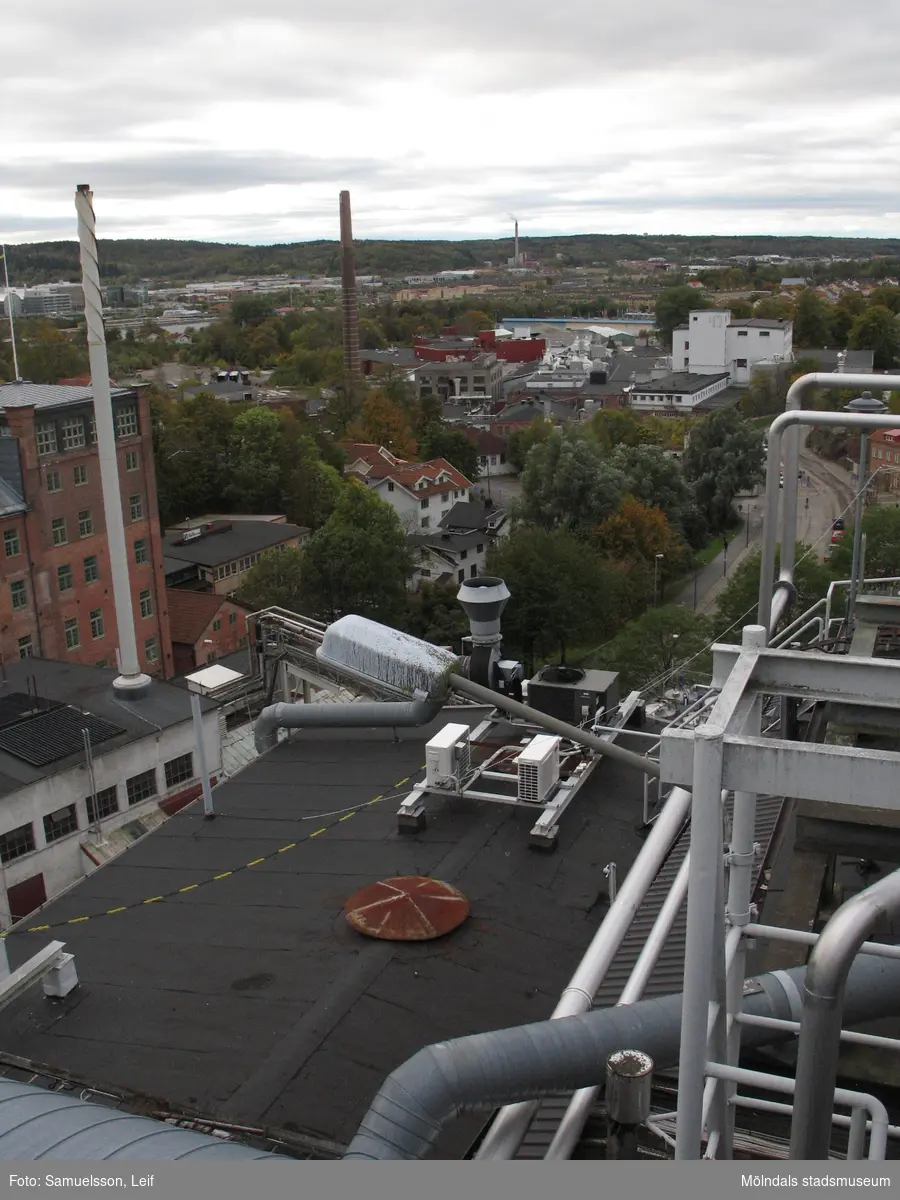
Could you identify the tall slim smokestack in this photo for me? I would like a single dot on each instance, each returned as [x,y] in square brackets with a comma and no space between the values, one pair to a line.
[516,245]
[131,682]
[348,291]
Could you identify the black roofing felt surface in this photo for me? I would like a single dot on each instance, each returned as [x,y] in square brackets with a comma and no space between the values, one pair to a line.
[251,999]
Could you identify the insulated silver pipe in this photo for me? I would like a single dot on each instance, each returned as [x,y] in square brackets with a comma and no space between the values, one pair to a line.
[566,1137]
[823,1003]
[528,1062]
[777,447]
[580,736]
[506,1132]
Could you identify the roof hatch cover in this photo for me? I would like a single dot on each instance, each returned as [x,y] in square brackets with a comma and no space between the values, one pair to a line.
[407,908]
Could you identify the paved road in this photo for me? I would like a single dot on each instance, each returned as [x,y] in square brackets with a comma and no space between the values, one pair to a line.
[830,494]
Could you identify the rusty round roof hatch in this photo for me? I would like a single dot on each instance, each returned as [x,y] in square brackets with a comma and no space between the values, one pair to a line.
[407,908]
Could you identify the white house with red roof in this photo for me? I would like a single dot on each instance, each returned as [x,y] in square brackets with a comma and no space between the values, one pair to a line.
[420,493]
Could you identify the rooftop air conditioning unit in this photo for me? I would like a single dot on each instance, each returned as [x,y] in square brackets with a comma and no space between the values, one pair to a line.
[448,757]
[538,769]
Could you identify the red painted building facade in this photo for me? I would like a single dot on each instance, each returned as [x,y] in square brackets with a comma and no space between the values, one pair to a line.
[56,596]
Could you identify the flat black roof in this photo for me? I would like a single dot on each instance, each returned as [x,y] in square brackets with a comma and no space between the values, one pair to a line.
[251,999]
[678,383]
[216,548]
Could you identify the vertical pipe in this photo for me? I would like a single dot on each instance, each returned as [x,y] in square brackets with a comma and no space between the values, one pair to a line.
[856,1143]
[208,809]
[770,531]
[717,1021]
[131,680]
[12,323]
[857,530]
[348,291]
[818,1049]
[4,958]
[741,855]
[629,1084]
[706,854]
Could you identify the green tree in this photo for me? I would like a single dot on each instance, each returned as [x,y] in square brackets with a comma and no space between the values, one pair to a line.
[276,581]
[371,335]
[848,308]
[440,441]
[654,478]
[434,614]
[560,592]
[738,601]
[812,320]
[723,457]
[774,308]
[524,438]
[887,296]
[255,461]
[881,525]
[46,355]
[473,321]
[673,308]
[567,483]
[192,452]
[360,560]
[250,310]
[617,427]
[659,647]
[877,329]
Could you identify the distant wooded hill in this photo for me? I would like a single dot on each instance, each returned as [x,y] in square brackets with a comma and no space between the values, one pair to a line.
[131,260]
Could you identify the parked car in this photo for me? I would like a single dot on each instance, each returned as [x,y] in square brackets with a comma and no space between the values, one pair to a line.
[837,523]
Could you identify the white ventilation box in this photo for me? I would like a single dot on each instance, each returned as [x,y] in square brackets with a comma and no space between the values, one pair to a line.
[448,757]
[538,768]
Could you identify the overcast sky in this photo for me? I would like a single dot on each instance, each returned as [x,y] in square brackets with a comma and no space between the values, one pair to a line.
[223,120]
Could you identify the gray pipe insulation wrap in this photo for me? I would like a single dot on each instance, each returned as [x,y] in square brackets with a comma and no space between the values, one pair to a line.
[365,715]
[488,1070]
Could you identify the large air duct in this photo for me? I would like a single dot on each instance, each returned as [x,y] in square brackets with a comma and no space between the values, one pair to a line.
[507,1066]
[39,1124]
[348,291]
[365,715]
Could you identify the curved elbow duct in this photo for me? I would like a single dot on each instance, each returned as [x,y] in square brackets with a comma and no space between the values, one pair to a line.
[367,715]
[39,1124]
[507,1066]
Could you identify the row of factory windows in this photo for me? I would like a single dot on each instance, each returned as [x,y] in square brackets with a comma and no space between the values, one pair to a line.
[102,804]
[74,433]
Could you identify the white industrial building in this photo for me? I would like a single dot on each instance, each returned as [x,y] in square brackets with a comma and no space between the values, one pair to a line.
[712,342]
[84,773]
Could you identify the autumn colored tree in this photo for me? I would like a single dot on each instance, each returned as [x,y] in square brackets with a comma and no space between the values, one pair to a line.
[384,423]
[633,536]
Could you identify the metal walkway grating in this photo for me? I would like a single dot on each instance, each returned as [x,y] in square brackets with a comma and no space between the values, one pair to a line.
[668,974]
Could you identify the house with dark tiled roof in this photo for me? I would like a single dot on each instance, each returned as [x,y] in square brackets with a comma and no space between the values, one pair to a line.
[205,627]
[491,449]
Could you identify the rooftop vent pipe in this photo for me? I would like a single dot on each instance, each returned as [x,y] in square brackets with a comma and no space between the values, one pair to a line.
[483,600]
[506,1066]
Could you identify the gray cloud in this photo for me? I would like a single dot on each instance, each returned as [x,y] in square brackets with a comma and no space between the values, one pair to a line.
[185,116]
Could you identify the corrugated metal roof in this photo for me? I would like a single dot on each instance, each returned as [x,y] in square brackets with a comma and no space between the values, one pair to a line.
[668,974]
[39,1124]
[47,395]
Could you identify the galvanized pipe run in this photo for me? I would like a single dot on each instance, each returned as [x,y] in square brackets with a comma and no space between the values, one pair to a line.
[505,1135]
[486,1070]
[823,1003]
[580,736]
[783,436]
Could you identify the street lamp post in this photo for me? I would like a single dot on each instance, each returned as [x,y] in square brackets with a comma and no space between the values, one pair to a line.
[866,403]
[656,561]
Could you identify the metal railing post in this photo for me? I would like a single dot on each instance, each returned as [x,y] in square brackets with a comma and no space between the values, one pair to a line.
[706,858]
[823,1001]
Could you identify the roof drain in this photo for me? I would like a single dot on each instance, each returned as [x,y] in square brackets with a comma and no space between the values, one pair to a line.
[506,1066]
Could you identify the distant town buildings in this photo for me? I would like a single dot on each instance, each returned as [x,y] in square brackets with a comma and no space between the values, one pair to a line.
[56,588]
[214,553]
[712,343]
